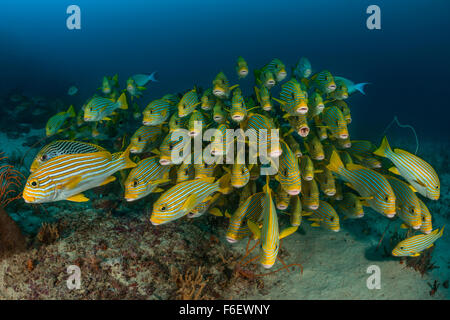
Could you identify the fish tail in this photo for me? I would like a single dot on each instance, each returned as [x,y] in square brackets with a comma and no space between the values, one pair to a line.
[71,111]
[360,87]
[124,159]
[383,149]
[224,184]
[441,232]
[152,77]
[335,164]
[123,101]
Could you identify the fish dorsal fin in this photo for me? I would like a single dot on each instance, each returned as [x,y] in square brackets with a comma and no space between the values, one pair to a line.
[353,166]
[78,198]
[215,212]
[394,170]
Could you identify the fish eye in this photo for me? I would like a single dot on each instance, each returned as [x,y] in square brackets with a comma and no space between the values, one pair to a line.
[34,183]
[139,139]
[162,208]
[401,248]
[437,187]
[386,199]
[44,157]
[135,183]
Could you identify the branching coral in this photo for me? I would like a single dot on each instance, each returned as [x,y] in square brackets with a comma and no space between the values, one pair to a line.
[191,285]
[10,183]
[48,233]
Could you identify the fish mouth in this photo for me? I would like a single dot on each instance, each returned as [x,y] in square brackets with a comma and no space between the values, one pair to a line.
[131,198]
[271,82]
[360,215]
[267,107]
[133,150]
[314,206]
[293,192]
[164,162]
[307,73]
[155,223]
[147,123]
[308,178]
[87,119]
[237,117]
[321,157]
[275,153]
[303,132]
[218,92]
[332,87]
[282,207]
[337,230]
[243,72]
[344,96]
[218,118]
[390,215]
[302,110]
[330,193]
[343,135]
[267,266]
[231,240]
[28,199]
[298,154]
[206,107]
[347,145]
[416,227]
[427,232]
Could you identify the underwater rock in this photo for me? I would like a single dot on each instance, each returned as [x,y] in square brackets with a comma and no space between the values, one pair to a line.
[11,238]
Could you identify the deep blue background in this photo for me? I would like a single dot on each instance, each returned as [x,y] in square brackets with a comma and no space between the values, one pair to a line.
[188,42]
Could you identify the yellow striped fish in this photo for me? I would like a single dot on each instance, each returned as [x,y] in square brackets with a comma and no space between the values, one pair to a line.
[314,147]
[240,175]
[182,198]
[145,178]
[307,168]
[324,216]
[207,100]
[238,109]
[241,67]
[334,120]
[323,81]
[427,225]
[258,122]
[188,103]
[326,181]
[413,246]
[65,177]
[296,211]
[299,124]
[350,206]
[315,104]
[145,139]
[99,108]
[310,194]
[157,112]
[293,99]
[250,209]
[282,198]
[278,68]
[407,203]
[60,147]
[221,88]
[288,171]
[55,123]
[416,171]
[185,172]
[368,183]
[263,97]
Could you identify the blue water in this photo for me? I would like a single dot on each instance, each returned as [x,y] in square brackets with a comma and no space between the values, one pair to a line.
[189,42]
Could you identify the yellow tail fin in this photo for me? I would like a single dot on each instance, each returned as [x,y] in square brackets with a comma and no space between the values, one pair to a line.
[71,111]
[123,101]
[125,157]
[335,164]
[381,151]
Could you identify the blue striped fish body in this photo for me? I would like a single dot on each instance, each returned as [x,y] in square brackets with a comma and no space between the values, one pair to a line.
[293,99]
[221,88]
[157,112]
[350,206]
[238,110]
[368,183]
[145,178]
[207,100]
[170,145]
[219,140]
[145,139]
[99,108]
[310,194]
[263,97]
[55,123]
[366,160]
[241,68]
[250,209]
[427,225]
[413,246]
[258,122]
[314,147]
[65,177]
[341,91]
[204,170]
[188,103]
[407,203]
[333,118]
[343,143]
[203,207]
[413,169]
[196,123]
[282,198]
[270,233]
[315,105]
[185,171]
[61,147]
[362,146]
[264,77]
[302,69]
[324,216]
[296,211]
[343,106]
[289,171]
[171,98]
[184,197]
[240,175]
[293,145]
[323,81]
[326,181]
[306,168]
[175,122]
[219,114]
[278,68]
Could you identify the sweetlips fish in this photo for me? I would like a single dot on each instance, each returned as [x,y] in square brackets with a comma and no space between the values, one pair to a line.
[406,202]
[145,139]
[238,109]
[263,97]
[288,171]
[257,122]
[302,69]
[350,206]
[221,86]
[250,209]
[371,185]
[241,67]
[293,99]
[219,114]
[343,106]
[324,216]
[419,173]
[240,174]
[142,79]
[293,145]
[185,171]
[264,77]
[170,145]
[188,103]
[351,86]
[109,84]
[175,122]
[314,147]
[282,198]
[98,108]
[322,81]
[335,122]
[134,89]
[145,178]
[413,246]
[362,146]
[341,91]
[310,194]
[195,123]
[204,170]
[65,177]
[208,100]
[61,147]
[426,226]
[219,141]
[296,211]
[182,198]
[307,168]
[299,124]
[315,105]
[277,67]
[55,123]
[206,206]
[326,181]
[269,234]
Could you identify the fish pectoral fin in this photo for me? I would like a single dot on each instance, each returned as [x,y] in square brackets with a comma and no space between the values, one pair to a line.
[315,224]
[366,198]
[404,226]
[215,212]
[254,228]
[306,213]
[158,190]
[430,246]
[71,183]
[78,198]
[288,231]
[394,170]
[420,183]
[189,204]
[350,185]
[108,180]
[107,119]
[227,214]
[414,254]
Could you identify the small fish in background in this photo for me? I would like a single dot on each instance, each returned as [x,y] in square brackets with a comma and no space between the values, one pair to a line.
[315,105]
[323,81]
[188,103]
[145,178]
[427,225]
[341,91]
[324,216]
[302,69]
[299,124]
[241,68]
[196,123]
[65,177]
[238,110]
[98,108]
[221,86]
[278,68]
[134,89]
[296,211]
[208,100]
[72,91]
[219,113]
[307,168]
[293,99]
[109,84]
[142,79]
[334,120]
[282,198]
[419,173]
[265,78]
[413,246]
[314,147]
[145,139]
[288,171]
[157,112]
[263,97]
[350,206]
[55,123]
[310,194]
[351,86]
